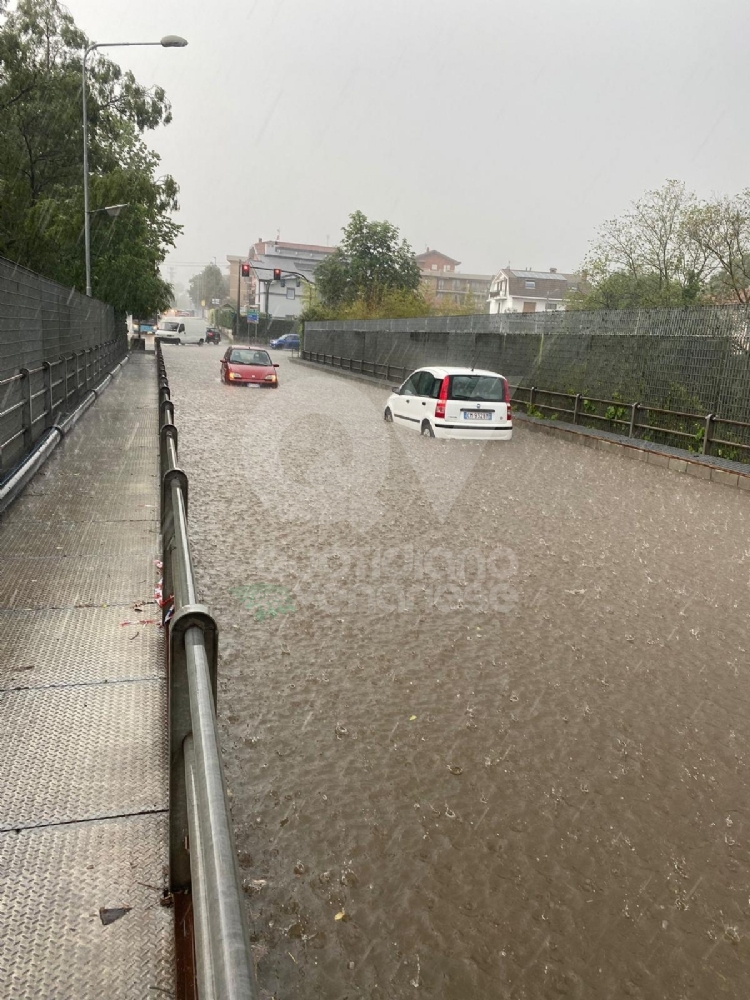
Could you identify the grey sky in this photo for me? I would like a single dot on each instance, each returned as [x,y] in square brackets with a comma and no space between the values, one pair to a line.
[493,131]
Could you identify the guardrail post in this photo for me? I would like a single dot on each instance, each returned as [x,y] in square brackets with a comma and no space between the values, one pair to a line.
[532,392]
[707,434]
[634,407]
[576,407]
[28,427]
[180,726]
[47,371]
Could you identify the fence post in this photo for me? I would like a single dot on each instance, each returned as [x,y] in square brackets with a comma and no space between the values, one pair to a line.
[28,427]
[576,406]
[47,367]
[707,434]
[633,413]
[532,392]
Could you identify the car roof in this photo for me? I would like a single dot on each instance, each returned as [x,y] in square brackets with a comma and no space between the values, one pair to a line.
[442,371]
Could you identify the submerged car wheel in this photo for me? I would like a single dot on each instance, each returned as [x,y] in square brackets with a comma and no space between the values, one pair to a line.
[427,430]
[388,416]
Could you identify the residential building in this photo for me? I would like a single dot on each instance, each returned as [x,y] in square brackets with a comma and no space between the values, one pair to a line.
[512,290]
[246,285]
[443,284]
[433,260]
[297,263]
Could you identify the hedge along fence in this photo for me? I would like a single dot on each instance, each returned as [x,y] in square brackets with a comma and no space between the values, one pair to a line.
[690,363]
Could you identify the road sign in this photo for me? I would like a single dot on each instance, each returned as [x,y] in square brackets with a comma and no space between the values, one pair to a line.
[243,310]
[252,315]
[215,302]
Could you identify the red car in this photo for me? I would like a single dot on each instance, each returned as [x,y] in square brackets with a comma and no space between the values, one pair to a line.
[249,366]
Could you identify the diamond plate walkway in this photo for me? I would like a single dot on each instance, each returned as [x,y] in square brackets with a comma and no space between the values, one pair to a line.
[83,765]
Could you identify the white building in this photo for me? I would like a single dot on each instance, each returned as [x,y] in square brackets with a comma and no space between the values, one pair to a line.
[296,262]
[530,291]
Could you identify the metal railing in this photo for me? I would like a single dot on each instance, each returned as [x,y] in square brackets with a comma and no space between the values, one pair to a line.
[202,857]
[32,399]
[632,419]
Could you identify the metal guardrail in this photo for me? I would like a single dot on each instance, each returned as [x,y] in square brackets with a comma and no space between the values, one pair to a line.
[617,413]
[32,398]
[202,857]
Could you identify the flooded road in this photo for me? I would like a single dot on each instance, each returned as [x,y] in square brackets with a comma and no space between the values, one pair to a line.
[484,707]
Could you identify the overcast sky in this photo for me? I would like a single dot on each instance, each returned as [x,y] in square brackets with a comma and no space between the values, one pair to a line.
[494,131]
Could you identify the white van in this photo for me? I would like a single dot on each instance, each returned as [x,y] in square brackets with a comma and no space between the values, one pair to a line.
[181,330]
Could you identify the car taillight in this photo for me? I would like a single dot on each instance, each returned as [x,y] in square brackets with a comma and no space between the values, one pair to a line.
[442,397]
[508,414]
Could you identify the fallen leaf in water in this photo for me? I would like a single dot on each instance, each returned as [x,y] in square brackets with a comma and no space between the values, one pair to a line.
[340,915]
[412,718]
[454,769]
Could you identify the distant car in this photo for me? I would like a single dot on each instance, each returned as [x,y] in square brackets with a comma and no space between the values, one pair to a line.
[174,330]
[290,341]
[464,403]
[213,336]
[249,366]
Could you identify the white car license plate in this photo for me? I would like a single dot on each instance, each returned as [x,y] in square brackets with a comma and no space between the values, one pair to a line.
[252,385]
[478,414]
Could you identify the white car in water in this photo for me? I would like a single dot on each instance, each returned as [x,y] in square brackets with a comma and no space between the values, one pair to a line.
[464,403]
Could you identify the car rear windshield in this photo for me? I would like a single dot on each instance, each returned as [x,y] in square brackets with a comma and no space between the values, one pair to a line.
[477,388]
[249,358]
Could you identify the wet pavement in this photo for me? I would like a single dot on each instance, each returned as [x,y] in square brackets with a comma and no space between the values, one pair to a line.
[483,706]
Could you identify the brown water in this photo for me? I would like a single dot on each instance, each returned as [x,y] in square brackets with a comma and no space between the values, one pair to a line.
[487,704]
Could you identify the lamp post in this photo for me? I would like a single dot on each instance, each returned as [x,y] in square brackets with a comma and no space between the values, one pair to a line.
[168,42]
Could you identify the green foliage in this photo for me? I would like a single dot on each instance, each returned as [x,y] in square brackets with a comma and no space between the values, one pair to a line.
[370,264]
[41,196]
[669,250]
[209,284]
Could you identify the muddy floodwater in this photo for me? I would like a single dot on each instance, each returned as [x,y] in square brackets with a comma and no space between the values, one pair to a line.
[484,707]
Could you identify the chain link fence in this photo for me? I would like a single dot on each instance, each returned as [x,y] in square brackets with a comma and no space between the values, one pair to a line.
[55,344]
[678,365]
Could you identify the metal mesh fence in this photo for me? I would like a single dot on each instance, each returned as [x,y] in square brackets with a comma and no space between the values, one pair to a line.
[692,361]
[54,342]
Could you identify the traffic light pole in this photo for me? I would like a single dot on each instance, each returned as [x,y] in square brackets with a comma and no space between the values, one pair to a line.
[237,314]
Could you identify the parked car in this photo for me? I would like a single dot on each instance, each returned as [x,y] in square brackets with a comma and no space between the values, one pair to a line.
[213,336]
[465,403]
[174,330]
[250,367]
[290,341]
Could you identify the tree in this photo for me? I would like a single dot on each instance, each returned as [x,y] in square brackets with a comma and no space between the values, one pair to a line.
[721,227]
[370,262]
[648,256]
[41,198]
[209,284]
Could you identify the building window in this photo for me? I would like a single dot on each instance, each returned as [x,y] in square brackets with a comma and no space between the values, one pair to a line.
[530,284]
[433,267]
[290,293]
[440,284]
[551,306]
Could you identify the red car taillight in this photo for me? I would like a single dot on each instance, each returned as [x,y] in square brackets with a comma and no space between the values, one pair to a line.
[442,397]
[508,414]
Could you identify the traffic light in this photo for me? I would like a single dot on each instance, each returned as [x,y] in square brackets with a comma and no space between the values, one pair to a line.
[277,274]
[245,270]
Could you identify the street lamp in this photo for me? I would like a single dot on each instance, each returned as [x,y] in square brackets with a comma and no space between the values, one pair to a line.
[168,42]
